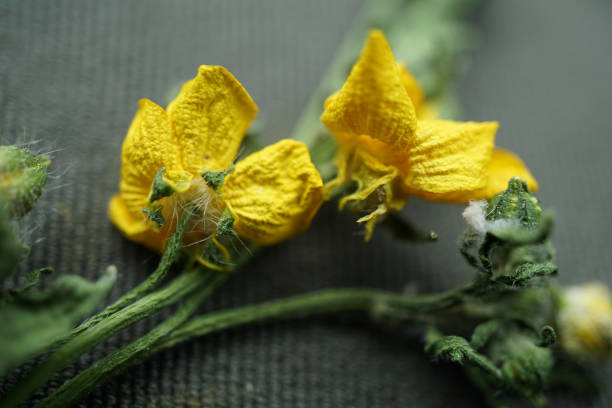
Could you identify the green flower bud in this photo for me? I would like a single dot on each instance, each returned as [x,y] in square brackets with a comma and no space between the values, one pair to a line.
[515,203]
[22,177]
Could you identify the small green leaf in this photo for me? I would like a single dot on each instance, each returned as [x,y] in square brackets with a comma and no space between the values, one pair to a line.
[33,320]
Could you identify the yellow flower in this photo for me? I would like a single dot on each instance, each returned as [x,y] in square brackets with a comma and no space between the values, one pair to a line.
[585,321]
[391,147]
[271,195]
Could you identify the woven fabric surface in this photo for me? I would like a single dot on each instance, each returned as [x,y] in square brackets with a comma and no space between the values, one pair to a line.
[71,73]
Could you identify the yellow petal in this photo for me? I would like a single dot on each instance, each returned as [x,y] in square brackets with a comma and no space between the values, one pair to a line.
[210,116]
[503,166]
[135,228]
[148,146]
[373,100]
[273,193]
[411,85]
[449,157]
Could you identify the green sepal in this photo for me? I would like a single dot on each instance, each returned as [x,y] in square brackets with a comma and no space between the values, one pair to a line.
[225,226]
[22,178]
[154,214]
[160,188]
[215,179]
[34,320]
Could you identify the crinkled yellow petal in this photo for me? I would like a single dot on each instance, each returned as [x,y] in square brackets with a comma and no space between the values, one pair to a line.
[148,146]
[449,157]
[210,116]
[411,85]
[503,166]
[274,193]
[135,228]
[373,100]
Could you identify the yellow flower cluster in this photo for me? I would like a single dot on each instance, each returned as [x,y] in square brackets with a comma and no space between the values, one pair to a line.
[392,148]
[585,321]
[271,195]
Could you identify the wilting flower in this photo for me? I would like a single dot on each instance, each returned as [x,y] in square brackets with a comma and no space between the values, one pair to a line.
[182,157]
[585,321]
[391,148]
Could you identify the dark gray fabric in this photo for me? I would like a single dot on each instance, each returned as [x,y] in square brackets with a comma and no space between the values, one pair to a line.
[73,71]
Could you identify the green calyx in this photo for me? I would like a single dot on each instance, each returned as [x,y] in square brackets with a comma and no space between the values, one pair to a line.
[225,226]
[515,203]
[215,179]
[160,188]
[22,178]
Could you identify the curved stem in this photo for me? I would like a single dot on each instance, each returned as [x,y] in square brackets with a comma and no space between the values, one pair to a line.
[115,362]
[69,352]
[144,287]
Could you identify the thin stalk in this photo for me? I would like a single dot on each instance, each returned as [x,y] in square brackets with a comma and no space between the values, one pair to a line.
[115,362]
[327,301]
[69,352]
[145,287]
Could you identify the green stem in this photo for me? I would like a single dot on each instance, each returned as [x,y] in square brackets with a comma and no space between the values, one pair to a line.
[145,287]
[69,352]
[115,362]
[327,301]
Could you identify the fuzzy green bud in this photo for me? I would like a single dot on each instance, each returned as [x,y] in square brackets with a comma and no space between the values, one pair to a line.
[515,203]
[22,178]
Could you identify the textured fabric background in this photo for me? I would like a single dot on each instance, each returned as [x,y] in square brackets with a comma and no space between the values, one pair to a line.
[72,72]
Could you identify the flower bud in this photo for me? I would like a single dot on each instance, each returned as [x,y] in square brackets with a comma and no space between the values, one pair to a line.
[584,321]
[516,203]
[22,177]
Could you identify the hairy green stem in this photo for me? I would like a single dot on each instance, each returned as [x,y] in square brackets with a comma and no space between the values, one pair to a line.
[69,352]
[115,362]
[322,302]
[145,287]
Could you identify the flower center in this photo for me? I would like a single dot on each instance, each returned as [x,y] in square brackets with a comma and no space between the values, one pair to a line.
[205,205]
